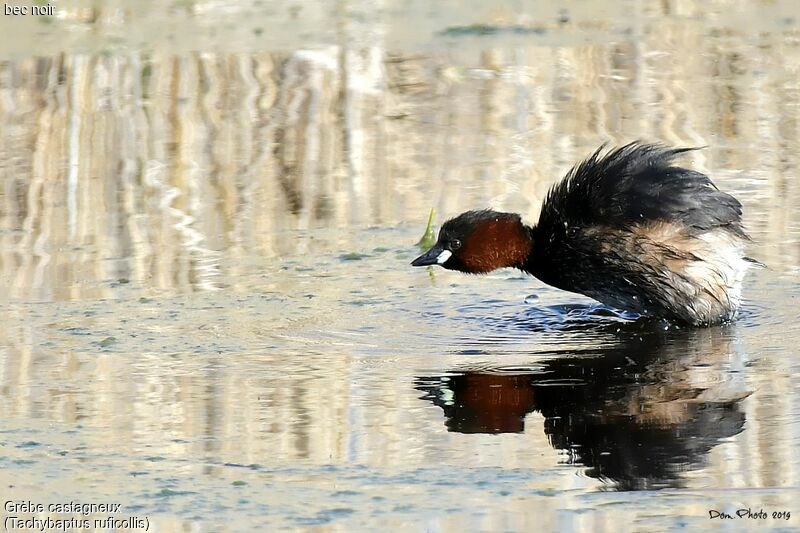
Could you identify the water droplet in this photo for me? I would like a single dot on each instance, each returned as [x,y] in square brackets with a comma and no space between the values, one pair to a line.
[531,298]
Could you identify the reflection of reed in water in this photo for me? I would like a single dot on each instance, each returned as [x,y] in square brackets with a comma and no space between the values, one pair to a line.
[169,169]
[637,412]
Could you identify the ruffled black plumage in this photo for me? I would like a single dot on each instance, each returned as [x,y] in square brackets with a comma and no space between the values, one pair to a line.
[638,183]
[636,232]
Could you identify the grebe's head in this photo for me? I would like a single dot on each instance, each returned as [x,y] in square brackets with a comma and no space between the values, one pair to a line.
[477,242]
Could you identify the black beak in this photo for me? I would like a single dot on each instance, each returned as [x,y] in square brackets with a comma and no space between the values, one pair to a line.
[430,257]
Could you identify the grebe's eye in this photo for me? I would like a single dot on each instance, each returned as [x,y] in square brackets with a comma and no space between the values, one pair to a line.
[455,244]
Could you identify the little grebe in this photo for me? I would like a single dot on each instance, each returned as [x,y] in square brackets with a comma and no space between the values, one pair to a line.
[626,228]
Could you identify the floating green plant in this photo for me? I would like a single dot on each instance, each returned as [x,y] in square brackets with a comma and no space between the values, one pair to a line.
[353,256]
[429,237]
[107,342]
[490,29]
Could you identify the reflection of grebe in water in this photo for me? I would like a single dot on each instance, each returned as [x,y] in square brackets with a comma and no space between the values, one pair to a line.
[627,228]
[637,413]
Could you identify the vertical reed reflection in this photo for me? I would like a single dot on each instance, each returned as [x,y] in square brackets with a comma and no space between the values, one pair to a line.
[150,167]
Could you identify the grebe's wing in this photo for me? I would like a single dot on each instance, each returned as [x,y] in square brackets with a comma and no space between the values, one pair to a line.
[635,184]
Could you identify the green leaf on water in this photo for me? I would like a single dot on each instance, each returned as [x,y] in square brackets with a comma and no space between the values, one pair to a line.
[108,341]
[429,237]
[490,29]
[352,256]
[472,29]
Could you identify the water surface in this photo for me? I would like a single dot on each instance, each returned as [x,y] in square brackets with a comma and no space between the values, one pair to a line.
[207,313]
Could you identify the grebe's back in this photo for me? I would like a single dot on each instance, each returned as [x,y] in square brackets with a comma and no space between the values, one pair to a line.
[633,231]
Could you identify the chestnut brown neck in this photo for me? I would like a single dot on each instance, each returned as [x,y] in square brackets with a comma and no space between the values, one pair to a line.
[497,243]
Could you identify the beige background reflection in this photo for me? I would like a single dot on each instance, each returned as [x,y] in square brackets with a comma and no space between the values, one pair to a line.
[172,160]
[150,185]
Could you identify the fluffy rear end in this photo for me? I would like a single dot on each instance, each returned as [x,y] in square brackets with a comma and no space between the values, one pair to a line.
[659,269]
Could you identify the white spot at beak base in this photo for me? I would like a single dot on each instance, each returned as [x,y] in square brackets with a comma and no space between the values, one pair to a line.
[443,257]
